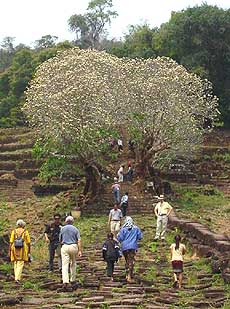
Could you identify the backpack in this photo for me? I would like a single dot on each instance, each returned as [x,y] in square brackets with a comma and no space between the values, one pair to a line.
[112,251]
[19,241]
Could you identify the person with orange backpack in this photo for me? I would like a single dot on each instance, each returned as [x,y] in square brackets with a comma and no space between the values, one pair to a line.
[19,248]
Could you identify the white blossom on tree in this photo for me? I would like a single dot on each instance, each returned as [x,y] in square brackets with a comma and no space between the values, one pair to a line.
[80,96]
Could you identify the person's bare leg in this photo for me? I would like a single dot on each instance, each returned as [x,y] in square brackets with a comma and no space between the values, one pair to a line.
[175,280]
[180,276]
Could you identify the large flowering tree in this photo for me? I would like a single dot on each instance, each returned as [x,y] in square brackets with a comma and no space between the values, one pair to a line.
[78,98]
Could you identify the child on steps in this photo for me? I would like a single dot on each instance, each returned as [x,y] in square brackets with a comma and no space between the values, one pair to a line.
[111,254]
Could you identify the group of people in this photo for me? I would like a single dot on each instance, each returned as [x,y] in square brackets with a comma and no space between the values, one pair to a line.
[122,176]
[130,236]
[122,240]
[64,240]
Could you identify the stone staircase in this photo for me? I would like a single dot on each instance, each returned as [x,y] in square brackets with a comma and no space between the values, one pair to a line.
[153,281]
[17,167]
[139,202]
[152,288]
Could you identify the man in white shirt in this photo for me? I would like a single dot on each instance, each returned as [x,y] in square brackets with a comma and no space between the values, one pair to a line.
[162,211]
[114,222]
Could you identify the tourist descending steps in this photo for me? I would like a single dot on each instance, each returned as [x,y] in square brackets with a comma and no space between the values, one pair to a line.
[177,252]
[124,203]
[129,236]
[19,248]
[120,173]
[114,222]
[120,144]
[162,211]
[52,233]
[116,191]
[71,246]
[111,254]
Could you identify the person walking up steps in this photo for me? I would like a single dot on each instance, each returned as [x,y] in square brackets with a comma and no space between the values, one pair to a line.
[114,221]
[120,173]
[116,191]
[124,204]
[129,236]
[52,233]
[177,252]
[19,248]
[162,211]
[111,254]
[71,246]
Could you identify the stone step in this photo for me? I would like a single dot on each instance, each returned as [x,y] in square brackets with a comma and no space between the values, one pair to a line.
[15,146]
[15,156]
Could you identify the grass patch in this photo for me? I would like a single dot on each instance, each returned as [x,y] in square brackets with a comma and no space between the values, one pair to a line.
[6,267]
[192,199]
[202,264]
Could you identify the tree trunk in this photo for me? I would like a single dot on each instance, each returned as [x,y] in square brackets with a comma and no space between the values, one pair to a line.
[92,184]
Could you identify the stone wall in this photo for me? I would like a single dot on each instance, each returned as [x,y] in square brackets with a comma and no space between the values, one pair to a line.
[208,244]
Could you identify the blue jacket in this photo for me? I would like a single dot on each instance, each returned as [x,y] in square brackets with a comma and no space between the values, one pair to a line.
[129,237]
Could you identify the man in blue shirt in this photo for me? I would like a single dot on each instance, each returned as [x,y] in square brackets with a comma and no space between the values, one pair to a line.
[71,246]
[129,236]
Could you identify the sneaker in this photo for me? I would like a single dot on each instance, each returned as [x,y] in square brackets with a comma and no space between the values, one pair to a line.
[175,284]
[66,288]
[74,285]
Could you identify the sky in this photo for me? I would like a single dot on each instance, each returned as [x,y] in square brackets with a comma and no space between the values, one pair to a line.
[28,20]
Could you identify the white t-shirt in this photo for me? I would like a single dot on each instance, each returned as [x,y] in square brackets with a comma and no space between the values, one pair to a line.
[120,171]
[115,214]
[177,254]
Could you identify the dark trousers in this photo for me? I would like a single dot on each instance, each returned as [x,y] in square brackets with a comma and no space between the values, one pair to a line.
[124,209]
[52,248]
[110,267]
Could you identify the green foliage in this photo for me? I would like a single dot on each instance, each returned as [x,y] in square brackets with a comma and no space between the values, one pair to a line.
[53,166]
[222,157]
[16,74]
[4,221]
[193,199]
[198,38]
[138,43]
[6,267]
[90,27]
